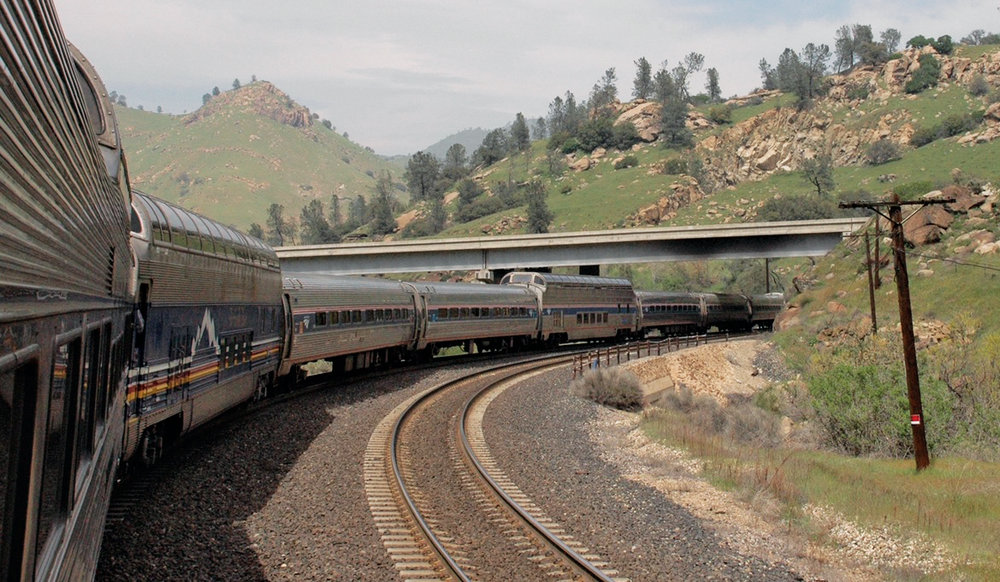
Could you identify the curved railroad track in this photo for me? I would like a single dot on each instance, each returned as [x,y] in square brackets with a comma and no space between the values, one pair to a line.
[443,508]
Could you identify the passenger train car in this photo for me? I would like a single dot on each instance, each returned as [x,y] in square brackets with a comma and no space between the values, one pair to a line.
[65,300]
[209,301]
[351,322]
[580,307]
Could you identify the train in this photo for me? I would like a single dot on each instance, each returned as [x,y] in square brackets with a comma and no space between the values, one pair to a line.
[127,321]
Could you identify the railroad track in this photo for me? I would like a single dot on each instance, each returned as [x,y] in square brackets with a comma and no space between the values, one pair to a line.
[456,516]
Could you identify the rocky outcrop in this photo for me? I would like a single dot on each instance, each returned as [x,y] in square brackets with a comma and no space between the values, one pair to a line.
[645,116]
[261,98]
[683,192]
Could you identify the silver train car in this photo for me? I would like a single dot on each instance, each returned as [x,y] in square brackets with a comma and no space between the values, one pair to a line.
[209,303]
[766,308]
[727,311]
[580,307]
[475,317]
[671,313]
[351,322]
[65,273]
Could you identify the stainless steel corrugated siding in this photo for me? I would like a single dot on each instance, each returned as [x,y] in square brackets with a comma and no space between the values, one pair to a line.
[64,224]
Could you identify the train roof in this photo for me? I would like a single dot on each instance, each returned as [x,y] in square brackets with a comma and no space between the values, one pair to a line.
[182,227]
[563,280]
[467,289]
[294,281]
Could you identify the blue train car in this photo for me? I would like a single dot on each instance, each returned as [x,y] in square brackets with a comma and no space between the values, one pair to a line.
[209,299]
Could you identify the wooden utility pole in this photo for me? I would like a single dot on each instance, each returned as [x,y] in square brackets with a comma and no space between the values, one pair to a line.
[871,284]
[895,218]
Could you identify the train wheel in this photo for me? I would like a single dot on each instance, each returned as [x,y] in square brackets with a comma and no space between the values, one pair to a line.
[151,446]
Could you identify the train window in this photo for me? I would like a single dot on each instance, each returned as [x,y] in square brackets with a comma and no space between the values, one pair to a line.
[56,469]
[355,316]
[85,424]
[320,319]
[474,312]
[605,318]
[453,312]
[397,313]
[17,413]
[442,313]
[465,312]
[369,315]
[334,317]
[579,318]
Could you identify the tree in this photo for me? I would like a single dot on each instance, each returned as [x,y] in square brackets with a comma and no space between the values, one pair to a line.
[215,91]
[604,93]
[767,76]
[642,86]
[280,231]
[712,86]
[540,130]
[422,171]
[975,37]
[943,45]
[575,115]
[890,38]
[493,149]
[519,133]
[315,228]
[557,116]
[539,215]
[206,98]
[673,117]
[383,203]
[357,212]
[236,83]
[814,62]
[468,190]
[455,161]
[256,231]
[818,171]
[336,218]
[843,48]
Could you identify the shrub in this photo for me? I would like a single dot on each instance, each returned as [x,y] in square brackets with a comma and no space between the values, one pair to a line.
[675,167]
[979,86]
[479,208]
[924,77]
[923,136]
[743,422]
[803,207]
[883,151]
[629,161]
[858,92]
[721,114]
[570,145]
[912,190]
[610,387]
[864,410]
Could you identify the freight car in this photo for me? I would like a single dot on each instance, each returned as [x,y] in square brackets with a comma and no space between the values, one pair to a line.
[65,274]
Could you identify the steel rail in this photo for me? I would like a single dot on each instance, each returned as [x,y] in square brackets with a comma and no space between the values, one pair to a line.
[571,555]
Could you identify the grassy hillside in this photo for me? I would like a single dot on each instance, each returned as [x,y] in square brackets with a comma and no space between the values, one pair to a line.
[234,157]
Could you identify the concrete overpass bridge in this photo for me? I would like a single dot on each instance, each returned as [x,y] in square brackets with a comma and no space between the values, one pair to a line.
[574,249]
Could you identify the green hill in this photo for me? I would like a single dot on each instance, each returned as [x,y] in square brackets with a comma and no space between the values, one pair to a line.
[242,151]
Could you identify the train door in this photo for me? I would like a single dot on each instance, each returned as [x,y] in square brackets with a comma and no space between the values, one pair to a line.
[178,363]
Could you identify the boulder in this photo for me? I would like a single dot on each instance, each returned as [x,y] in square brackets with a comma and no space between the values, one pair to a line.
[581,165]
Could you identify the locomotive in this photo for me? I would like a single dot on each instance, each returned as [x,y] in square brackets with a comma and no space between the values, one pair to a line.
[127,321]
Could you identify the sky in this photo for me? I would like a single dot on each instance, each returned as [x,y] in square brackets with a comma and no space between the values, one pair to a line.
[399,76]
